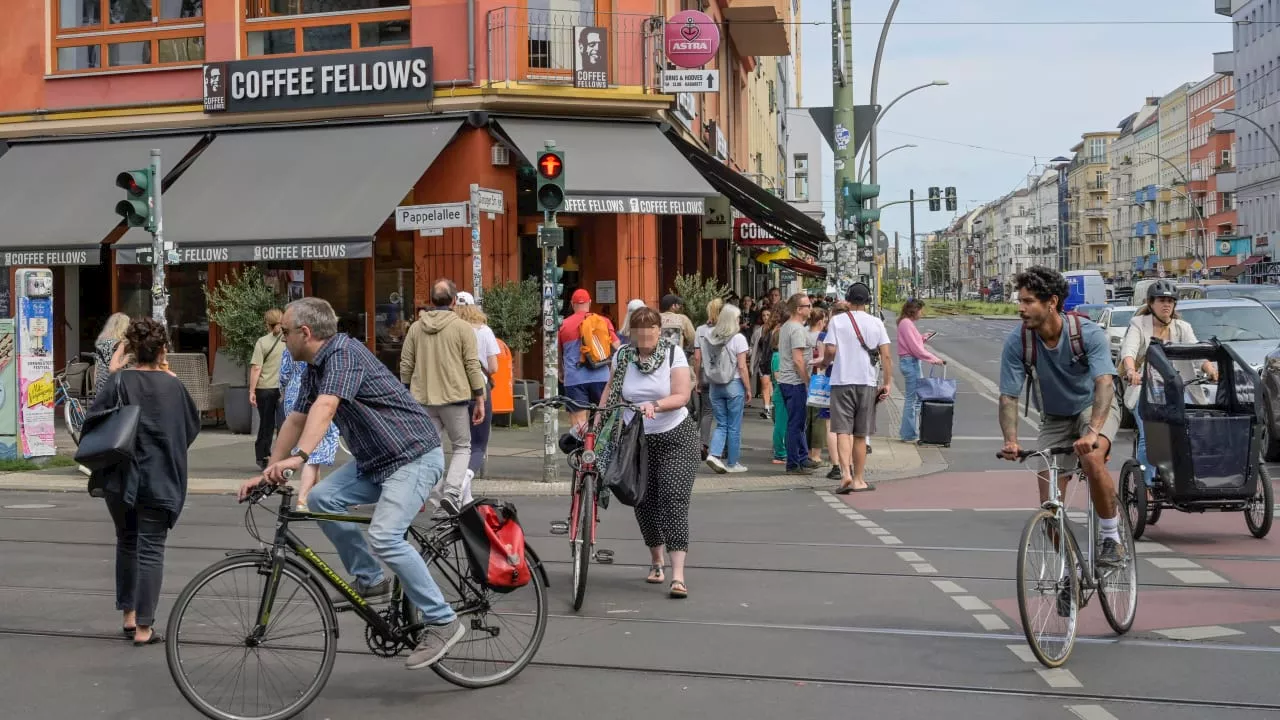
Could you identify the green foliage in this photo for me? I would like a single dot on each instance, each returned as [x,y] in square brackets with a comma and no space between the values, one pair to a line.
[514,312]
[935,308]
[697,291]
[236,306]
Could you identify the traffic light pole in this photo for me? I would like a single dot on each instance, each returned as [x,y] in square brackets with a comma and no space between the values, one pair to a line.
[159,292]
[550,352]
[476,268]
[847,263]
[912,284]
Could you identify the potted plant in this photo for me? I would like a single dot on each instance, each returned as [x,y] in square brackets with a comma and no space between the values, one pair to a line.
[236,306]
[514,315]
[697,292]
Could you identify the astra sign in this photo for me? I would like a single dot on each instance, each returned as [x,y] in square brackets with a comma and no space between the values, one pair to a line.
[692,39]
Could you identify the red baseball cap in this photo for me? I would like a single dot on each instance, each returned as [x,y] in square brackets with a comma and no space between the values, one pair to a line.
[580,296]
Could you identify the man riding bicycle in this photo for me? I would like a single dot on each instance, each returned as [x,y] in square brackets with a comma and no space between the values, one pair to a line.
[1072,376]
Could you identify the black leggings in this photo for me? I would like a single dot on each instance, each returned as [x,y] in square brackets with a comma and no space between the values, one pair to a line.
[268,401]
[140,537]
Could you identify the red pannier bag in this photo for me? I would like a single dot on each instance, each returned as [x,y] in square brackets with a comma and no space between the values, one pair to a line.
[494,542]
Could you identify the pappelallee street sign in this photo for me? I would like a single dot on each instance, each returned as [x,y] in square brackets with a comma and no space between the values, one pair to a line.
[432,217]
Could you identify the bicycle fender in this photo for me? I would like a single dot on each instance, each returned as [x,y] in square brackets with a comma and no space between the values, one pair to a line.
[537,564]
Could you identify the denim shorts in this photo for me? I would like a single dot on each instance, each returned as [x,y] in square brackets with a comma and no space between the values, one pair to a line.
[585,393]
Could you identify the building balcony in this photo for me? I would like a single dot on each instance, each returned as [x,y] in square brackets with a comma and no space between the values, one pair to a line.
[535,47]
[759,27]
[1224,62]
[1164,195]
[1096,213]
[1166,229]
[1222,7]
[1096,238]
[1226,179]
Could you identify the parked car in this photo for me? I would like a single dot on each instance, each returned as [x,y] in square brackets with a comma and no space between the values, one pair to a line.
[1092,312]
[1265,293]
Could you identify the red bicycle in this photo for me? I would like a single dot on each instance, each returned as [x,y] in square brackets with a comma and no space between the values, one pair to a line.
[586,497]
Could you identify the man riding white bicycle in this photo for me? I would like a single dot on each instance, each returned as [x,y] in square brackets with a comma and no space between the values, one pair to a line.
[1065,363]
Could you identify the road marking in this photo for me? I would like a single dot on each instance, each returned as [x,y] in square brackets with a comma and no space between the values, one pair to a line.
[910,557]
[846,511]
[991,622]
[1203,632]
[891,540]
[866,523]
[916,510]
[970,602]
[1059,677]
[822,493]
[1090,712]
[30,506]
[1151,547]
[1006,509]
[1024,653]
[1276,628]
[926,568]
[877,531]
[1198,577]
[856,516]
[947,586]
[1168,563]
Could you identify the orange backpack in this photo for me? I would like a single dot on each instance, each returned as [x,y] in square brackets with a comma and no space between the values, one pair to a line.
[597,341]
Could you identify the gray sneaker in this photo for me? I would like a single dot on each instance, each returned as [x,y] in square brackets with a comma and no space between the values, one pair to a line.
[435,643]
[372,594]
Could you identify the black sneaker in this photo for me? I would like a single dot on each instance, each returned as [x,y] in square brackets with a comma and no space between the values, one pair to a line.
[799,470]
[372,594]
[834,473]
[811,464]
[1064,599]
[1110,554]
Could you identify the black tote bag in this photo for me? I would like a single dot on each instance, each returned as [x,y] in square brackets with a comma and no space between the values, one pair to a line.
[627,476]
[109,436]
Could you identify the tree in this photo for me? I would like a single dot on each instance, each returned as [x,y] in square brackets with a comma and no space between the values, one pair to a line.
[697,292]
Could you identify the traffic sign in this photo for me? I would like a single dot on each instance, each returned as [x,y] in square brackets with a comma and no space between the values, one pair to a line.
[1197,266]
[489,201]
[550,237]
[690,81]
[432,217]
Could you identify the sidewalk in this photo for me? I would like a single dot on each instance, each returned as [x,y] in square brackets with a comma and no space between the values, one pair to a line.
[220,461]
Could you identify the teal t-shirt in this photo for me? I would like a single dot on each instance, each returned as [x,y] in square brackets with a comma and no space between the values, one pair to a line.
[1066,385]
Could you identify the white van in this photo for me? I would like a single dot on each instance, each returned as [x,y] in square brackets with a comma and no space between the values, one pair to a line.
[1084,287]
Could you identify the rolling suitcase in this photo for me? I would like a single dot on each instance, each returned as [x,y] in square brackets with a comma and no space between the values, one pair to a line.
[936,419]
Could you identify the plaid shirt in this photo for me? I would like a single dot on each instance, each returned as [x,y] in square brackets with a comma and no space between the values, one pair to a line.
[381,422]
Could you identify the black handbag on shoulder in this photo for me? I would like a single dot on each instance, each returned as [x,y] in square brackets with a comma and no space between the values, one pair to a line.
[627,476]
[109,436]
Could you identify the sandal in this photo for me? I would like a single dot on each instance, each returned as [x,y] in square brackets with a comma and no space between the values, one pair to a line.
[678,590]
[155,639]
[655,575]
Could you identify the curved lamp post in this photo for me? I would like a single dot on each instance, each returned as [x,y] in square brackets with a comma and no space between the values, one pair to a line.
[886,152]
[869,148]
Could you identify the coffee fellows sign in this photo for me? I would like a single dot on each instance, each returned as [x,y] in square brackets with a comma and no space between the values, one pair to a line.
[315,81]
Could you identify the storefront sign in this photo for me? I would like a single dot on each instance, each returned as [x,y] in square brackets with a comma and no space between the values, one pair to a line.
[631,205]
[432,217]
[591,61]
[309,81]
[692,39]
[31,258]
[690,81]
[190,254]
[748,234]
[686,110]
[715,219]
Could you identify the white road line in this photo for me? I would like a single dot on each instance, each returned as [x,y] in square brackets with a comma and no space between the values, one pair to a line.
[947,586]
[910,556]
[1198,577]
[822,493]
[1023,652]
[846,511]
[856,516]
[866,523]
[877,531]
[1146,546]
[1202,632]
[1059,677]
[1276,628]
[890,540]
[970,602]
[926,568]
[1168,563]
[1090,712]
[991,622]
[916,510]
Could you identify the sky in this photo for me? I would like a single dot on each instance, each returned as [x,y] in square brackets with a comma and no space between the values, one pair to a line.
[1021,93]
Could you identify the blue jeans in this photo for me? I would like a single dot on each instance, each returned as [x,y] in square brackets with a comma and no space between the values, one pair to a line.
[910,367]
[795,397]
[399,499]
[1150,475]
[726,403]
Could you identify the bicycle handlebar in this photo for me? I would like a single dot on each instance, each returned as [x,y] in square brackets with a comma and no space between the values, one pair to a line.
[1024,454]
[558,401]
[265,489]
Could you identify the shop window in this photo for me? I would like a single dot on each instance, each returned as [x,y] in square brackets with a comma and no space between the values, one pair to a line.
[187,317]
[341,282]
[120,34]
[282,27]
[393,295]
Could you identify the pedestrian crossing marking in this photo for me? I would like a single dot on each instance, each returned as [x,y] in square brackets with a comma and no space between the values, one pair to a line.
[1090,712]
[877,531]
[910,557]
[1059,677]
[1168,563]
[970,602]
[1024,652]
[924,568]
[866,523]
[1198,577]
[1202,632]
[890,540]
[991,622]
[948,586]
[1146,546]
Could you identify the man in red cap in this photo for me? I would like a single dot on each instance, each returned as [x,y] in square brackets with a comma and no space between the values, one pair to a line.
[581,383]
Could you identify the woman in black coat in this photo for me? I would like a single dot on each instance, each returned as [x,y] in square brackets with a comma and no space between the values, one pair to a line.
[146,495]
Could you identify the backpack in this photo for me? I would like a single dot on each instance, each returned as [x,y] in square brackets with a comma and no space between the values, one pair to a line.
[673,331]
[720,364]
[597,341]
[495,546]
[1075,340]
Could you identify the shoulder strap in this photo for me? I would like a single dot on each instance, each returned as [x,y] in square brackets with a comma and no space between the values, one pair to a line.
[1029,369]
[273,347]
[1075,336]
[857,330]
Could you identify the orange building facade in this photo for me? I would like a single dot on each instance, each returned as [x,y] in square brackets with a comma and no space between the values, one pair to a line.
[291,130]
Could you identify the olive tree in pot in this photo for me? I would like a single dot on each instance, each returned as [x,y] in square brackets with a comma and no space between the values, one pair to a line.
[236,306]
[512,308]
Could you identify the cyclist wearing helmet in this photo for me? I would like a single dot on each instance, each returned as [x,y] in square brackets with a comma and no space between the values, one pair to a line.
[1156,320]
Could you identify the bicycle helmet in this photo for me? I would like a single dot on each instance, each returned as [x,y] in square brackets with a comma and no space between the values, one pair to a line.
[1161,289]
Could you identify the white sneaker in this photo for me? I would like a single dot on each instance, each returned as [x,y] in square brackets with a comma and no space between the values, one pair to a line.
[466,486]
[737,468]
[715,464]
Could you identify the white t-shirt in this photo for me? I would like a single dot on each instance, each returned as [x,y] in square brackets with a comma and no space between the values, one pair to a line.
[852,366]
[487,348]
[737,344]
[640,388]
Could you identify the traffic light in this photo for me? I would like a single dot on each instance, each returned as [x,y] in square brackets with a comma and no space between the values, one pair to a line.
[550,169]
[1151,246]
[856,214]
[935,199]
[136,208]
[951,198]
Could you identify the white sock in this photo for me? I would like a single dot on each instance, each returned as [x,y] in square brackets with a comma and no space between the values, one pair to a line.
[1110,527]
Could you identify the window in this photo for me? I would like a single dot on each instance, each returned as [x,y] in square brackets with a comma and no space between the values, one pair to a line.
[802,162]
[286,27]
[120,34]
[801,187]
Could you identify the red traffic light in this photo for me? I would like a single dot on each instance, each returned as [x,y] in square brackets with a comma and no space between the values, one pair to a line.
[550,166]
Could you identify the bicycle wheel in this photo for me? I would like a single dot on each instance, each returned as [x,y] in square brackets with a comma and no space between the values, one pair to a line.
[1048,596]
[582,539]
[73,412]
[210,631]
[1258,514]
[1133,497]
[1118,587]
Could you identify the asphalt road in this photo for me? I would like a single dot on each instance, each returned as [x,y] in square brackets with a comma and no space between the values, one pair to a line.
[898,603]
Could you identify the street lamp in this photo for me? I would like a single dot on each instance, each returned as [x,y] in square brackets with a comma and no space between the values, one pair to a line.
[886,152]
[870,146]
[1251,121]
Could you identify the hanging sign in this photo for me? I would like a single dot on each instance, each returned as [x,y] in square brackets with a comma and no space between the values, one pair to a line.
[591,62]
[692,39]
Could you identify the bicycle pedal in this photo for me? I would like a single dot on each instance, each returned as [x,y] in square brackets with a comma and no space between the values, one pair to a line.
[604,557]
[559,527]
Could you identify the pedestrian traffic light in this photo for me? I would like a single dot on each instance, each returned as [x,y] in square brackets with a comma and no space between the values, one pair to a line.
[856,214]
[136,208]
[935,199]
[550,191]
[951,198]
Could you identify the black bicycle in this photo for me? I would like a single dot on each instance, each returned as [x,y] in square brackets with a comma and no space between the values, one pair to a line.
[254,636]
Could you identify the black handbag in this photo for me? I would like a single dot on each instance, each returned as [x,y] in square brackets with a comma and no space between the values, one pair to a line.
[627,476]
[109,436]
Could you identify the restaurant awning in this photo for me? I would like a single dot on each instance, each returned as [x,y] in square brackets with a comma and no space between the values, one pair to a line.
[803,268]
[1235,271]
[771,212]
[613,167]
[316,193]
[58,198]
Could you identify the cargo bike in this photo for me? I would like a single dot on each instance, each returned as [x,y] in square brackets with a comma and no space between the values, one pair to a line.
[1203,440]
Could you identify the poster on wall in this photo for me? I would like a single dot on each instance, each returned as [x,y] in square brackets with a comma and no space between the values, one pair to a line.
[591,61]
[8,392]
[35,363]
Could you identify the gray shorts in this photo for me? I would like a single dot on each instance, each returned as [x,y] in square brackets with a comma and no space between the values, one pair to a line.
[1060,430]
[853,409]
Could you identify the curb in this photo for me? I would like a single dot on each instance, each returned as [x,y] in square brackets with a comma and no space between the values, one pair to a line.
[1000,317]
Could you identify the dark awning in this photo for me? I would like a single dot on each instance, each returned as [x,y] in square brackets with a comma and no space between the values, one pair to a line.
[294,194]
[58,199]
[802,267]
[615,166]
[771,212]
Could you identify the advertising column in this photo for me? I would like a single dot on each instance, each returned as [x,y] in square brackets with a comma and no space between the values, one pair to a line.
[8,392]
[35,363]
